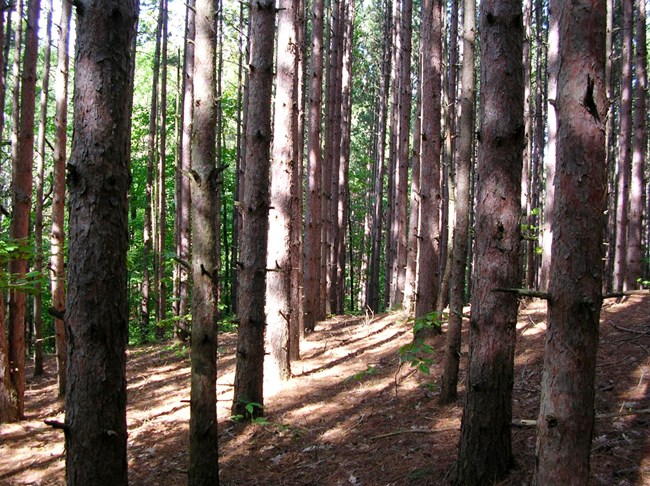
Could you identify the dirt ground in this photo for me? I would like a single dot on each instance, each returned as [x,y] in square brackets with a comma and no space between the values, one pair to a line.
[351,415]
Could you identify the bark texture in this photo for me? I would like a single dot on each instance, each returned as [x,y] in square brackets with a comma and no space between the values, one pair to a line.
[485,452]
[449,380]
[566,417]
[314,174]
[57,236]
[97,306]
[249,373]
[21,198]
[278,280]
[205,256]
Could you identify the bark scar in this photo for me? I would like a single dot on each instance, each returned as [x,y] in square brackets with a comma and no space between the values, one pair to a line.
[588,100]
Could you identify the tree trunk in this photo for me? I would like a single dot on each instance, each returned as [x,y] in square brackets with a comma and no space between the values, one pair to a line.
[161,207]
[22,200]
[313,218]
[205,255]
[372,288]
[183,325]
[635,231]
[449,380]
[566,416]
[97,312]
[148,248]
[40,178]
[57,236]
[401,181]
[278,280]
[410,285]
[485,452]
[255,210]
[430,197]
[550,152]
[624,149]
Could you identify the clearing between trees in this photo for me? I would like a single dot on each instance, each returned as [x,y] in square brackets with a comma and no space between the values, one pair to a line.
[352,414]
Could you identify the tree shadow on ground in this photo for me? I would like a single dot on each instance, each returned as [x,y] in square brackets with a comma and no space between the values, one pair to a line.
[354,415]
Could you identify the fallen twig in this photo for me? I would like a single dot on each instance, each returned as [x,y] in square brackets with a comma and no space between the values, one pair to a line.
[413,431]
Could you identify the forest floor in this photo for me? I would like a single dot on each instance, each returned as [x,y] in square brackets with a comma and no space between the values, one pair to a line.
[351,415]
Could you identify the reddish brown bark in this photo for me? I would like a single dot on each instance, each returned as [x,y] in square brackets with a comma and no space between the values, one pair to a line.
[21,201]
[313,220]
[485,452]
[255,209]
[566,417]
[428,275]
[97,312]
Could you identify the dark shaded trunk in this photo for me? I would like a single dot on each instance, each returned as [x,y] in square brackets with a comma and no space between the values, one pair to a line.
[97,312]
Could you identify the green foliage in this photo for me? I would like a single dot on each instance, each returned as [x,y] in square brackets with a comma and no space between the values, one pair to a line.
[33,281]
[369,371]
[428,322]
[253,412]
[418,353]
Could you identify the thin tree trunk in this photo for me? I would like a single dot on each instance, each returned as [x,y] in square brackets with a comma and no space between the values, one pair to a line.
[203,467]
[57,236]
[22,200]
[485,452]
[314,221]
[161,208]
[449,380]
[97,310]
[401,183]
[8,411]
[184,227]
[40,178]
[430,197]
[566,416]
[372,289]
[410,282]
[255,210]
[347,30]
[634,246]
[550,152]
[148,231]
[624,149]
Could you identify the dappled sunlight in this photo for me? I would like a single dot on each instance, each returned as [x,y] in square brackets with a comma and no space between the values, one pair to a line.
[352,411]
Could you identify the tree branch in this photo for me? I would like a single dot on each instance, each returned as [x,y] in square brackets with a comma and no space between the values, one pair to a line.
[525,293]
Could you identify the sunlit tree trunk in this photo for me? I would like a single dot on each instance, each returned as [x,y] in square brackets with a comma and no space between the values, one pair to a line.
[278,280]
[639,150]
[57,236]
[566,416]
[205,254]
[40,177]
[21,201]
[550,151]
[97,310]
[624,148]
[249,371]
[449,380]
[485,451]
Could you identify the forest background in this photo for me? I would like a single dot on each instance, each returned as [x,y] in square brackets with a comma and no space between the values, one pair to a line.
[370,257]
